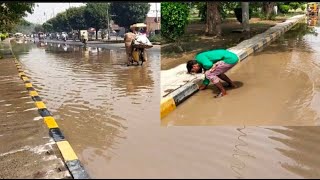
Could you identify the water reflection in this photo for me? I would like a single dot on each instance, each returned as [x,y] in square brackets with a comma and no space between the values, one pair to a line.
[312,20]
[303,148]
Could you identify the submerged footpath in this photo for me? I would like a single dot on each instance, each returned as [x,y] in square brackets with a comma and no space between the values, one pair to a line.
[177,85]
[28,149]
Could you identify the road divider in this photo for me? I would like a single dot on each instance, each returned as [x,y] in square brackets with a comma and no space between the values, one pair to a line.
[176,87]
[69,156]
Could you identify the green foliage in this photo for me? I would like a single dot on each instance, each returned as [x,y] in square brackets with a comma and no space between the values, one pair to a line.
[264,17]
[291,5]
[96,15]
[284,8]
[2,36]
[256,7]
[76,18]
[38,28]
[294,5]
[224,9]
[24,27]
[47,27]
[128,13]
[24,22]
[174,19]
[303,7]
[238,13]
[62,22]
[227,7]
[12,12]
[59,23]
[202,8]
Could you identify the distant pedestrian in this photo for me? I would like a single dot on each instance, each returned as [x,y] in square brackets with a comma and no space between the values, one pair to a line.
[215,63]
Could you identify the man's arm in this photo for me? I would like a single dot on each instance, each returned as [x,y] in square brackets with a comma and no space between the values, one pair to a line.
[206,64]
[204,84]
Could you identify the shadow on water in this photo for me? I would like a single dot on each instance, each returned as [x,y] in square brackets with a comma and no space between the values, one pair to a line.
[303,148]
[215,90]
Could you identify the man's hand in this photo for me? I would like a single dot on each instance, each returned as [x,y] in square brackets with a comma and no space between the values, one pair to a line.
[202,87]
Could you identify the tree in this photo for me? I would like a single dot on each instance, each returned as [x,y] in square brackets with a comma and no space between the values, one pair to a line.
[245,16]
[38,28]
[24,27]
[127,13]
[174,19]
[267,8]
[224,8]
[96,15]
[75,16]
[62,22]
[213,25]
[294,5]
[47,27]
[12,12]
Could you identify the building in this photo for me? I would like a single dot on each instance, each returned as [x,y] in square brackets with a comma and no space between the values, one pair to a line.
[153,23]
[154,17]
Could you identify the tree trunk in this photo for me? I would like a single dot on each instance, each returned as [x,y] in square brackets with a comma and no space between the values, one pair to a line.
[179,46]
[245,16]
[213,25]
[267,9]
[97,34]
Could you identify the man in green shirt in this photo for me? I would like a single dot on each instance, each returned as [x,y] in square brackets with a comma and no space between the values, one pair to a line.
[215,63]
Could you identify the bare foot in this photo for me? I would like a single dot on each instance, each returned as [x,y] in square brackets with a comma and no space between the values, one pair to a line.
[220,95]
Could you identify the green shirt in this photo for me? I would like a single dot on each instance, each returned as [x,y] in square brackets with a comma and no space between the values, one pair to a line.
[208,58]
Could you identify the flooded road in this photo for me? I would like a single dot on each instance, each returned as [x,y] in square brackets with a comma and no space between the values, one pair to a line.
[94,97]
[279,85]
[124,139]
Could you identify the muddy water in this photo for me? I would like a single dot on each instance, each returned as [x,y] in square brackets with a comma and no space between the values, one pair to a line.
[94,97]
[144,149]
[279,85]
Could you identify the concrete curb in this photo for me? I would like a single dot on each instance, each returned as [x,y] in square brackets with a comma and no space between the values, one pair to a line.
[70,158]
[170,101]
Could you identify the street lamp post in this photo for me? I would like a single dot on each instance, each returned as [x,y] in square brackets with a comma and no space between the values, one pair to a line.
[108,24]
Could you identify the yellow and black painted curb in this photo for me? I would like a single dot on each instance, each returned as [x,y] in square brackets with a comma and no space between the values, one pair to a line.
[69,156]
[175,98]
[172,100]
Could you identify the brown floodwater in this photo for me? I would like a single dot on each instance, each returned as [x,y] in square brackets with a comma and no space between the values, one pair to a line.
[280,85]
[94,97]
[138,147]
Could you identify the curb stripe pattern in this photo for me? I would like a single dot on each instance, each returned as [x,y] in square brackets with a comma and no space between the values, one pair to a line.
[169,103]
[70,158]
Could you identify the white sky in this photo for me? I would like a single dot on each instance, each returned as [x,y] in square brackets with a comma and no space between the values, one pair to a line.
[44,11]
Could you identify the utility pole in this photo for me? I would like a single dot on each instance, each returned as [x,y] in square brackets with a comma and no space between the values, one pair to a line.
[108,26]
[157,16]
